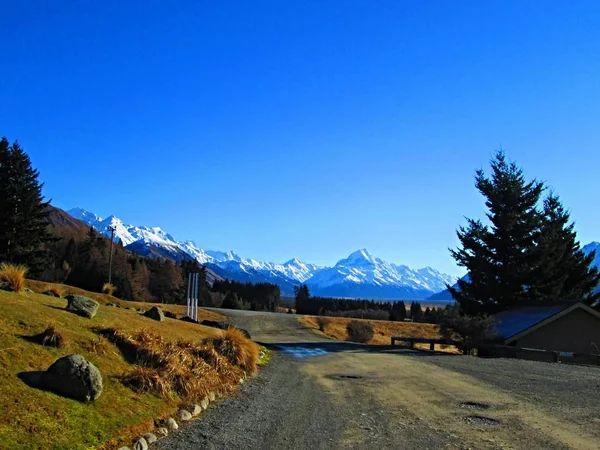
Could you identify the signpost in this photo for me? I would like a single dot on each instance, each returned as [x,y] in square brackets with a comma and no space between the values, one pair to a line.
[192,295]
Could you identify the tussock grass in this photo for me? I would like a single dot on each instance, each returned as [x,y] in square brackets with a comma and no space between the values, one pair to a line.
[96,346]
[13,276]
[181,368]
[322,322]
[52,337]
[57,290]
[237,348]
[108,289]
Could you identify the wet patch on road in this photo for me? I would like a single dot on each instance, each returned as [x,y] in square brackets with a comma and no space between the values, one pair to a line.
[345,376]
[300,352]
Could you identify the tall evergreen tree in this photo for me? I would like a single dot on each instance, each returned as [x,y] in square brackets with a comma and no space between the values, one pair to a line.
[24,234]
[564,273]
[302,298]
[526,255]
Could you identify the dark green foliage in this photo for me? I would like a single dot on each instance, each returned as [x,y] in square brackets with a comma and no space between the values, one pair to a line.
[470,330]
[258,297]
[24,235]
[303,302]
[525,255]
[359,331]
[416,311]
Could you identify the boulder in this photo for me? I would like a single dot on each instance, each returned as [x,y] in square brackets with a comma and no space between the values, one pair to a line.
[172,424]
[151,437]
[82,306]
[140,444]
[75,377]
[196,410]
[184,415]
[162,431]
[155,313]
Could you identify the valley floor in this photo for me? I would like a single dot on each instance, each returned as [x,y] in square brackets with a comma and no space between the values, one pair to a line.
[319,393]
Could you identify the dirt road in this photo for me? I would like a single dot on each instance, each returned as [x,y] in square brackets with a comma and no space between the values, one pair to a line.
[318,393]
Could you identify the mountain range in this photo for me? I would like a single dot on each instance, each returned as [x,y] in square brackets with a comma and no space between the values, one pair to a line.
[360,275]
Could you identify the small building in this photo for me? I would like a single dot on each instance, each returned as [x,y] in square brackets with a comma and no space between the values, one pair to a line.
[570,328]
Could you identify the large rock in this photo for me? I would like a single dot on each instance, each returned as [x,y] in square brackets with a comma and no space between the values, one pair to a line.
[215,324]
[75,377]
[82,306]
[155,313]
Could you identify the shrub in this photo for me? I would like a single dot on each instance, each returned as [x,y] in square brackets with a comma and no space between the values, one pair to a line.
[52,337]
[237,348]
[359,331]
[13,276]
[470,330]
[108,289]
[322,322]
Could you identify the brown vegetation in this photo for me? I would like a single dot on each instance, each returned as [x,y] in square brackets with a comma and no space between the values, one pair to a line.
[108,289]
[322,322]
[237,348]
[13,276]
[52,337]
[181,368]
[359,331]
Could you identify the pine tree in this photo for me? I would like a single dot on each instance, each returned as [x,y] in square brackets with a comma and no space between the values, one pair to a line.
[564,273]
[502,257]
[302,298]
[24,234]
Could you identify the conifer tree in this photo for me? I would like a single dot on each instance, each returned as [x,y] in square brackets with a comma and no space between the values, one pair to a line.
[500,257]
[24,234]
[302,298]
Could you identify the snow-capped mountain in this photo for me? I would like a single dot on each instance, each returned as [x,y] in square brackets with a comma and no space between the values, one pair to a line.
[361,275]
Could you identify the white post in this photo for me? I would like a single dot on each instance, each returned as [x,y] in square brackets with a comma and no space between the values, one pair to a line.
[189,295]
[197,294]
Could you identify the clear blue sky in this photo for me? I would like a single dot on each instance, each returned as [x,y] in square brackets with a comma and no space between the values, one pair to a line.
[303,128]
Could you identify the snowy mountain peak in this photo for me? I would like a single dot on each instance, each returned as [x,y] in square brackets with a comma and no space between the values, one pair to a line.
[83,215]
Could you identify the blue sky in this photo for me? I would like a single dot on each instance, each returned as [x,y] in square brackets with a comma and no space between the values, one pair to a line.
[304,129]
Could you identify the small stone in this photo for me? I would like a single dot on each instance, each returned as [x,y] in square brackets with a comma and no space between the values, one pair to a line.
[140,444]
[124,448]
[172,424]
[241,381]
[162,431]
[211,396]
[28,291]
[151,437]
[184,415]
[204,403]
[196,410]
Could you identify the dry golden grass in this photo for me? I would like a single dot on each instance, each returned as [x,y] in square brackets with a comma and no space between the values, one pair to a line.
[184,368]
[108,289]
[178,310]
[57,290]
[237,348]
[49,421]
[13,276]
[383,330]
[52,337]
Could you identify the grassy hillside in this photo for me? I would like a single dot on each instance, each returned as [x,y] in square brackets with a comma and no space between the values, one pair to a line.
[32,418]
[383,330]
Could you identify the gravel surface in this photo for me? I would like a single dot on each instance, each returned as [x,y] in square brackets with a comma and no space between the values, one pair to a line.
[354,396]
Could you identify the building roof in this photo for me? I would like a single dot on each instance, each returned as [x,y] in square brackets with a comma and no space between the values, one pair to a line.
[514,323]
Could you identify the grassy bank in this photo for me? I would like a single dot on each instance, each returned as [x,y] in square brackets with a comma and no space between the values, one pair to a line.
[32,418]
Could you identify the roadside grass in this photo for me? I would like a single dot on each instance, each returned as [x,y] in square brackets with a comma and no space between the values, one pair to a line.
[178,310]
[336,328]
[32,418]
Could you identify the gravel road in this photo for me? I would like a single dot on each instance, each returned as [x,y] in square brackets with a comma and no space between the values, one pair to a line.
[322,394]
